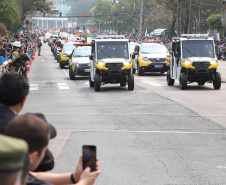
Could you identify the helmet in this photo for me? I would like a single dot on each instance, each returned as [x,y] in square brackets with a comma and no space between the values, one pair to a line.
[59,41]
[17,44]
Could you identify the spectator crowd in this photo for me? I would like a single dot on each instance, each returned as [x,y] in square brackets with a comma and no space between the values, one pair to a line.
[24,155]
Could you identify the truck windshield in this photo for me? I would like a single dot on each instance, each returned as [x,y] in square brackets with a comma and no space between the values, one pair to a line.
[112,49]
[198,48]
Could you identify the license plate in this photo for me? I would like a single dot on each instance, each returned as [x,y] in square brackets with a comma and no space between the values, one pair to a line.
[158,66]
[86,70]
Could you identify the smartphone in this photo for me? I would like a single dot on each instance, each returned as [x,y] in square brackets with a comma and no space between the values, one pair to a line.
[89,157]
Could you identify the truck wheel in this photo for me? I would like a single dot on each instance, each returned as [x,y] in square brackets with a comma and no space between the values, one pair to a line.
[72,77]
[91,83]
[139,71]
[217,81]
[183,81]
[61,64]
[131,83]
[170,81]
[97,82]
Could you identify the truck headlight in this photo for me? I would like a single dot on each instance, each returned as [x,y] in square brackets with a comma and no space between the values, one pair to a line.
[100,63]
[127,63]
[145,59]
[213,62]
[187,62]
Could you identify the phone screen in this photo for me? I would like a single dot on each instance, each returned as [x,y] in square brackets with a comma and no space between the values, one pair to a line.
[89,157]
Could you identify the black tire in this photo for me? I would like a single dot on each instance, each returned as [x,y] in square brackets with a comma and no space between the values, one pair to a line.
[217,81]
[61,64]
[97,82]
[91,83]
[131,83]
[72,77]
[123,83]
[139,71]
[170,81]
[183,81]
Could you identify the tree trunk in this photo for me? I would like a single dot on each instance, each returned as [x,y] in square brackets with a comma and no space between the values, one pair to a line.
[173,24]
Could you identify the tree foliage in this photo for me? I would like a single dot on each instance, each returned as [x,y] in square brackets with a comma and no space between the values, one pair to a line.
[10,14]
[13,12]
[214,22]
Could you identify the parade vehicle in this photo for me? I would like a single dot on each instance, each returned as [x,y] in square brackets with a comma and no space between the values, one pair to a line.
[64,56]
[193,59]
[64,35]
[79,64]
[110,63]
[54,33]
[73,39]
[47,37]
[149,57]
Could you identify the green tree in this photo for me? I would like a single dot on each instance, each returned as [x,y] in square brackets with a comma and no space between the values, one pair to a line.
[214,22]
[10,14]
[103,11]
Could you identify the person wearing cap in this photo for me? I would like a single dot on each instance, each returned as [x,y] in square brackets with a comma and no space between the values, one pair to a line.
[34,129]
[14,89]
[15,58]
[13,155]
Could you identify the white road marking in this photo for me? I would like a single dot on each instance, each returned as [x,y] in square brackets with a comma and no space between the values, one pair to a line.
[152,83]
[155,132]
[66,73]
[87,83]
[63,86]
[33,87]
[221,167]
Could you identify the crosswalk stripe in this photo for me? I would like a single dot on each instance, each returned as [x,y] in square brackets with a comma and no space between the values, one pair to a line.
[63,86]
[33,87]
[87,83]
[152,83]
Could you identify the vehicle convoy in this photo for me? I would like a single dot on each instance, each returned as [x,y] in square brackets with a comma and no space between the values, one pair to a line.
[193,59]
[110,63]
[149,57]
[64,56]
[79,62]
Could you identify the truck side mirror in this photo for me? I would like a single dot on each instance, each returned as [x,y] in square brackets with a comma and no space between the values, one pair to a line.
[91,57]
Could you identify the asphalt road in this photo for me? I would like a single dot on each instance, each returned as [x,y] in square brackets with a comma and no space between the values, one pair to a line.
[155,134]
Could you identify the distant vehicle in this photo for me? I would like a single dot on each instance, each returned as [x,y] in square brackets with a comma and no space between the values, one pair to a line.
[64,56]
[193,59]
[47,37]
[163,33]
[79,63]
[73,39]
[149,57]
[64,35]
[110,63]
[54,33]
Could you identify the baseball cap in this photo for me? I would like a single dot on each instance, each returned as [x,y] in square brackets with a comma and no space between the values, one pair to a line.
[53,132]
[13,154]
